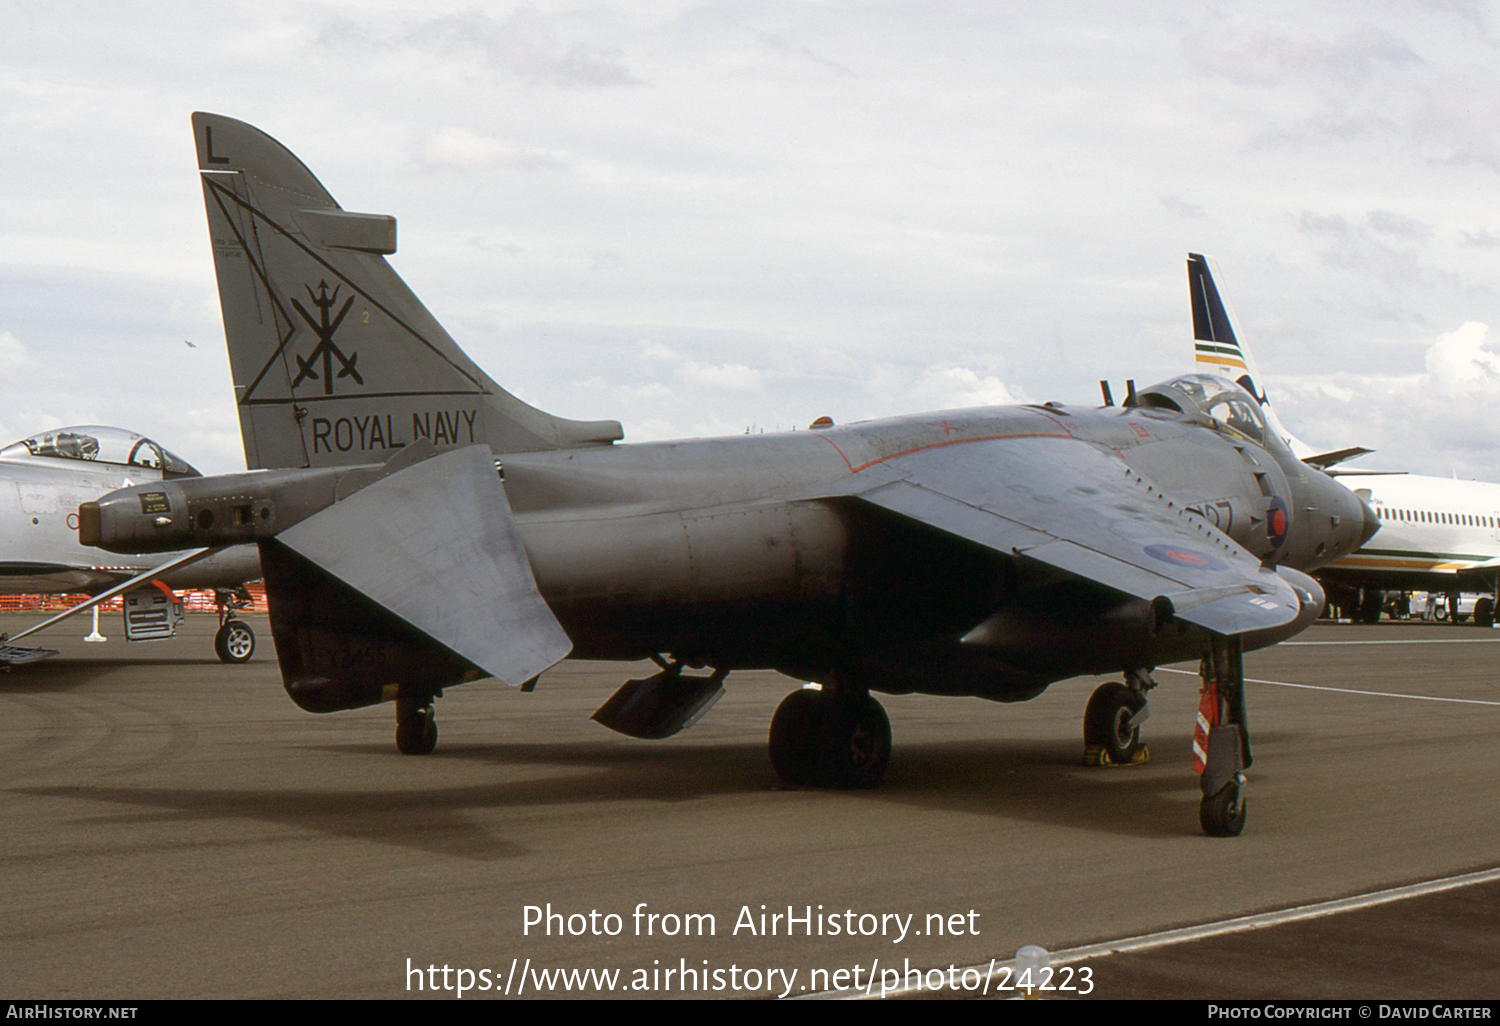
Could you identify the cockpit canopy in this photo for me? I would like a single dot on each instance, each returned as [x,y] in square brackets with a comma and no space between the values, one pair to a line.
[1216,400]
[98,444]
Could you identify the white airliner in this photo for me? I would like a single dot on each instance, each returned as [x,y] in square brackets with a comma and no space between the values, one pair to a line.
[1437,534]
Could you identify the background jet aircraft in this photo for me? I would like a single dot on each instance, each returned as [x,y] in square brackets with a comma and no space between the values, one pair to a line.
[1437,534]
[419,526]
[44,478]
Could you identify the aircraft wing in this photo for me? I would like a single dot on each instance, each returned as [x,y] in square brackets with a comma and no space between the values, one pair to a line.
[1067,504]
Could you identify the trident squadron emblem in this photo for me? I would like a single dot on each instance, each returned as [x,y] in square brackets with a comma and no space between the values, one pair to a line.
[326,348]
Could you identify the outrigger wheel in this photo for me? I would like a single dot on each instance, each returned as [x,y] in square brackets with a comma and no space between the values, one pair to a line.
[1222,814]
[828,738]
[1111,733]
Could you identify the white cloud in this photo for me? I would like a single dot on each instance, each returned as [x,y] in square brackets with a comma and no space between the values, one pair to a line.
[1430,422]
[729,377]
[657,351]
[12,353]
[464,148]
[952,387]
[1458,364]
[805,208]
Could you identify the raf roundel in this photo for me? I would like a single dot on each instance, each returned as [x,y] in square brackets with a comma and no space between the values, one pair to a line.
[1180,556]
[1277,521]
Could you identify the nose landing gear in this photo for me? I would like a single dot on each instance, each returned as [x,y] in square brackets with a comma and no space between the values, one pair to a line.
[1112,721]
[416,725]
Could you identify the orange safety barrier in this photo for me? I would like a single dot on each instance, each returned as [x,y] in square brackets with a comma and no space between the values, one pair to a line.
[199,601]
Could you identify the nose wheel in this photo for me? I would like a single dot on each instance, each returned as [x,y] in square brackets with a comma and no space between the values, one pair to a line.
[828,738]
[1112,724]
[416,726]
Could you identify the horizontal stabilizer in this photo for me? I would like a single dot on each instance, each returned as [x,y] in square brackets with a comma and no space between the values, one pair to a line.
[343,229]
[1324,460]
[16,655]
[436,545]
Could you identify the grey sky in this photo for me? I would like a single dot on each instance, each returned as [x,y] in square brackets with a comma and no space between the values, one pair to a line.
[698,217]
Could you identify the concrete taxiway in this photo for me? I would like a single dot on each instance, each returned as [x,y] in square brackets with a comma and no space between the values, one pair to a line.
[175,827]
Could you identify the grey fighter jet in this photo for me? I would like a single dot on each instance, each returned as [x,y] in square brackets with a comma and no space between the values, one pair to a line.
[420,527]
[43,479]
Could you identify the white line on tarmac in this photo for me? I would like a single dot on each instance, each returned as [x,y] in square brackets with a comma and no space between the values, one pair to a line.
[1239,924]
[1401,641]
[1346,691]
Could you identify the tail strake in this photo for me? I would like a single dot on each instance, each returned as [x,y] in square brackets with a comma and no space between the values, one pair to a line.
[334,360]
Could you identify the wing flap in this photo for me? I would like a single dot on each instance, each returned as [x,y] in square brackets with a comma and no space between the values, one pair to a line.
[958,517]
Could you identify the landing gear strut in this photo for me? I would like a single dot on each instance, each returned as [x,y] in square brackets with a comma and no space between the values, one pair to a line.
[1112,721]
[830,738]
[416,725]
[1222,810]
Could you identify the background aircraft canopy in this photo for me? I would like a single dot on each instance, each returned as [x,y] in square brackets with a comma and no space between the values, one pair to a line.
[99,444]
[1226,404]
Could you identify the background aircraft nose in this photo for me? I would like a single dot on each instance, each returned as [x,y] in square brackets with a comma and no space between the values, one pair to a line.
[1372,523]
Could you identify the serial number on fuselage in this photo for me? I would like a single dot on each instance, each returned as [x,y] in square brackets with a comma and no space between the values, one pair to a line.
[326,657]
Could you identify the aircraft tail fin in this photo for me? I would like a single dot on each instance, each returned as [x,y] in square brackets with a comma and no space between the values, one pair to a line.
[1218,348]
[335,361]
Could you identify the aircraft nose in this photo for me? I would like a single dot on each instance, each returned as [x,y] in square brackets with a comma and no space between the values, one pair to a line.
[1372,523]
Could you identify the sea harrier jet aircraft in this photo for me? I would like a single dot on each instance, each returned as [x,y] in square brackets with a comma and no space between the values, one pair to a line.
[42,481]
[419,526]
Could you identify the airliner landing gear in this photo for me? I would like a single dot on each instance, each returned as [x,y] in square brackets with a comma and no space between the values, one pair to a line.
[234,642]
[1222,810]
[416,725]
[830,738]
[1112,721]
[1484,612]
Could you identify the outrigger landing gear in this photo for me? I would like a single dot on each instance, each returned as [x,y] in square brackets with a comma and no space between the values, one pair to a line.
[1112,721]
[1222,810]
[416,725]
[830,738]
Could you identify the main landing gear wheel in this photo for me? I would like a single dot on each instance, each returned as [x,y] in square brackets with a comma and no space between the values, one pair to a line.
[1223,814]
[234,642]
[416,733]
[857,742]
[1484,613]
[827,739]
[794,737]
[1108,737]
